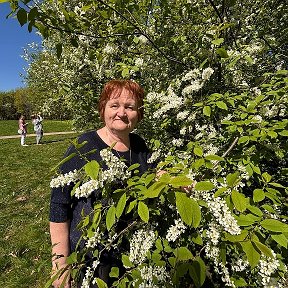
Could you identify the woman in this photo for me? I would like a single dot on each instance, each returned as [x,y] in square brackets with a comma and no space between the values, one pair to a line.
[120,108]
[38,128]
[23,127]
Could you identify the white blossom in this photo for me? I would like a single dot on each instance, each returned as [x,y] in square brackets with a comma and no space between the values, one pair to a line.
[66,179]
[175,230]
[93,241]
[206,74]
[193,74]
[193,87]
[149,272]
[177,142]
[182,115]
[154,156]
[239,265]
[223,216]
[139,62]
[141,242]
[267,266]
[213,233]
[86,189]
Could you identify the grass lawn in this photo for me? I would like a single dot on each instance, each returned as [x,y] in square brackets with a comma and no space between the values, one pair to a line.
[10,127]
[24,205]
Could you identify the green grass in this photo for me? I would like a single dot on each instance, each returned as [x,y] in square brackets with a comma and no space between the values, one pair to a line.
[24,208]
[10,127]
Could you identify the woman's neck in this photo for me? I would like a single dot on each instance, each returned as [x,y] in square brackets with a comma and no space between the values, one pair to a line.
[120,142]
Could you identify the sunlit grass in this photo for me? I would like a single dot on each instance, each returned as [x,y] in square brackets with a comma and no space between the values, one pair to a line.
[10,127]
[24,208]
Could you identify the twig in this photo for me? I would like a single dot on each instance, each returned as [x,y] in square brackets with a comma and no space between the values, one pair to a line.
[230,147]
[123,231]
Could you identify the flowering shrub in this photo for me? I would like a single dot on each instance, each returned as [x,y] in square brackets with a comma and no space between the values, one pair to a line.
[230,228]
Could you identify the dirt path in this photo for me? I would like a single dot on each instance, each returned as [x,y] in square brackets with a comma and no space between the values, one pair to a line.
[33,135]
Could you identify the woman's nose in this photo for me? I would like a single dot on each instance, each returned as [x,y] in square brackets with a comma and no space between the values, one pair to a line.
[121,111]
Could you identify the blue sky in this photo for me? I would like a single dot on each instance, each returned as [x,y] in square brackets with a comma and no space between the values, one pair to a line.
[13,38]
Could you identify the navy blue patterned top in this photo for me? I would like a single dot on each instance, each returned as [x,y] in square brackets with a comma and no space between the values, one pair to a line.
[63,207]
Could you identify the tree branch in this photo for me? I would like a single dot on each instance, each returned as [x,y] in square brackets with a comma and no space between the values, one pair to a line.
[143,33]
[216,10]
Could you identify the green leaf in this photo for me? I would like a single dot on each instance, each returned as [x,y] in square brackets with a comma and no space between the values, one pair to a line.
[263,248]
[267,177]
[143,211]
[252,254]
[249,59]
[114,272]
[22,16]
[239,282]
[64,161]
[284,133]
[214,157]
[207,111]
[92,169]
[121,205]
[196,238]
[197,271]
[183,254]
[220,191]
[258,195]
[236,238]
[188,209]
[274,225]
[246,220]
[180,181]
[32,14]
[198,151]
[239,200]
[133,167]
[232,179]
[222,53]
[204,186]
[222,105]
[154,190]
[255,210]
[280,239]
[125,72]
[243,139]
[218,41]
[101,283]
[272,134]
[131,206]
[110,217]
[126,261]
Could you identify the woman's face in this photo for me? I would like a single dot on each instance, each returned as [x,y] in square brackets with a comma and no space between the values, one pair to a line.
[120,114]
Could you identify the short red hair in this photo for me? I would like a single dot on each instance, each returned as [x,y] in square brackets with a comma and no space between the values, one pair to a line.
[118,85]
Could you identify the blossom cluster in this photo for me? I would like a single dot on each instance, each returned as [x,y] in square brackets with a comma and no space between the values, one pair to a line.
[141,242]
[222,214]
[66,179]
[267,266]
[213,252]
[117,169]
[175,230]
[149,272]
[94,240]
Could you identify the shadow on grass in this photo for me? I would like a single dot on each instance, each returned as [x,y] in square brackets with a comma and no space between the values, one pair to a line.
[54,141]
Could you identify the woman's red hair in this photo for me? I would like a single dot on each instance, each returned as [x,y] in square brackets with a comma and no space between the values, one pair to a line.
[118,85]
